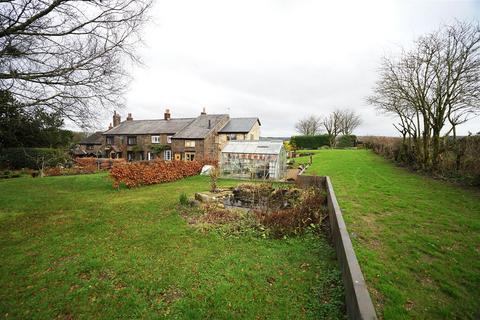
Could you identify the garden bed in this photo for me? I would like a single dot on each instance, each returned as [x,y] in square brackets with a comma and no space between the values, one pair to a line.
[276,211]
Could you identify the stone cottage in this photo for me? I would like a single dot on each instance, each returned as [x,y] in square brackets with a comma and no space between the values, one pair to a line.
[202,137]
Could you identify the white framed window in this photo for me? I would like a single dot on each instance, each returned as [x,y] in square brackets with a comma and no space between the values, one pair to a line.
[155,139]
[190,143]
[169,139]
[167,155]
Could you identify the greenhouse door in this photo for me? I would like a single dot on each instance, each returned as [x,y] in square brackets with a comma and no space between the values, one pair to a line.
[272,173]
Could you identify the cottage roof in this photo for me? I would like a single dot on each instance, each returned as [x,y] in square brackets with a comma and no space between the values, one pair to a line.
[156,126]
[95,138]
[239,125]
[200,127]
[253,147]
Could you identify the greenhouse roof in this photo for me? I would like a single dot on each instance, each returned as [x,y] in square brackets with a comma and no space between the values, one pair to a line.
[254,147]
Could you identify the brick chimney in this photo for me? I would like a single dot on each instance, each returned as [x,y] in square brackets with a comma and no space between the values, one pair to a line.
[116,119]
[129,117]
[203,112]
[166,115]
[110,126]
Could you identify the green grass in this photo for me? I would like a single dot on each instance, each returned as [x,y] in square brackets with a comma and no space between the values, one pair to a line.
[417,239]
[73,247]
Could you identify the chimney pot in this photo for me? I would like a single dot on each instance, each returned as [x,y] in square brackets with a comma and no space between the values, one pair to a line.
[129,118]
[110,126]
[166,115]
[203,111]
[116,119]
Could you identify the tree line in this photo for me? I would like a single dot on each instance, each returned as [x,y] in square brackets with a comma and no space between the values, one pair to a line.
[431,89]
[338,122]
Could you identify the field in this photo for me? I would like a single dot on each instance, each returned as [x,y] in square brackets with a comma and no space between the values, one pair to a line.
[75,248]
[417,239]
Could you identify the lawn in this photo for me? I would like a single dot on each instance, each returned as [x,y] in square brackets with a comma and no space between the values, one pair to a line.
[417,239]
[73,247]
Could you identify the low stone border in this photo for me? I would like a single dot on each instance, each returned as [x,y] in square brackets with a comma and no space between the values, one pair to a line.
[358,301]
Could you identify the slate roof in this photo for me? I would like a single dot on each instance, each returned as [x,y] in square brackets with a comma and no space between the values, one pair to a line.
[150,126]
[95,138]
[199,128]
[253,147]
[239,125]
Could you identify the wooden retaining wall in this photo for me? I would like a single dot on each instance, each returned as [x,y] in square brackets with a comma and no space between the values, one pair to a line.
[357,299]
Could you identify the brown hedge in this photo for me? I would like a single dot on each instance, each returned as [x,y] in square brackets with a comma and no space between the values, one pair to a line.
[141,173]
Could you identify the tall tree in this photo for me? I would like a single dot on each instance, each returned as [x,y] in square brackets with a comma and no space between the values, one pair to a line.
[67,56]
[309,126]
[349,121]
[433,88]
[20,127]
[333,125]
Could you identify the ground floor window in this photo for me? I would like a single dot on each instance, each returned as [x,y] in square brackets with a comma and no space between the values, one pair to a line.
[189,156]
[150,156]
[141,156]
[167,155]
[129,155]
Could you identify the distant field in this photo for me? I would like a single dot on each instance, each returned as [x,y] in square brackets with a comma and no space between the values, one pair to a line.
[72,247]
[417,239]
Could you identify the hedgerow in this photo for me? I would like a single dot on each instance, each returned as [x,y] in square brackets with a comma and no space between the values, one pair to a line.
[137,174]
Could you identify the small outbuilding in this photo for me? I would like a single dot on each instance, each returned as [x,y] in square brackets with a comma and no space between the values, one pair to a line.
[249,159]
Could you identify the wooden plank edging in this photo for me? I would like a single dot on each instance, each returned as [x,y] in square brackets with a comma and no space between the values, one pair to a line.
[358,301]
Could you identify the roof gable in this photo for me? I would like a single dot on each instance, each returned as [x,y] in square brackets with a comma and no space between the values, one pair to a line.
[200,127]
[239,125]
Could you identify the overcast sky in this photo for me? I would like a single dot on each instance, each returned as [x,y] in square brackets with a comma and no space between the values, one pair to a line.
[278,60]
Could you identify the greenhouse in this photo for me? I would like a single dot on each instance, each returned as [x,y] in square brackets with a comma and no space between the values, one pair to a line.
[249,159]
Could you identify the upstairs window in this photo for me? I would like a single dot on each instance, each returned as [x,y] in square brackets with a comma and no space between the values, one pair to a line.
[231,136]
[155,139]
[189,143]
[169,139]
[109,140]
[131,141]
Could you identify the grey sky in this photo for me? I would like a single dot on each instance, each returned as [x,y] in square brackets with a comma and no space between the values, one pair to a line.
[278,60]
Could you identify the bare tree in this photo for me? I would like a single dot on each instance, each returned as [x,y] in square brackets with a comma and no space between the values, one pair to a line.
[333,125]
[309,126]
[67,56]
[349,121]
[433,85]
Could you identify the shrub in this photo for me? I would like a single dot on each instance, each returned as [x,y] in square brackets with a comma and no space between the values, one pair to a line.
[458,158]
[310,142]
[309,211]
[183,199]
[214,174]
[7,174]
[347,141]
[33,158]
[136,174]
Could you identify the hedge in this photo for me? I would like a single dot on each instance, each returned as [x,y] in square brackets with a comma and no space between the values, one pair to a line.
[309,142]
[32,158]
[346,141]
[141,173]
